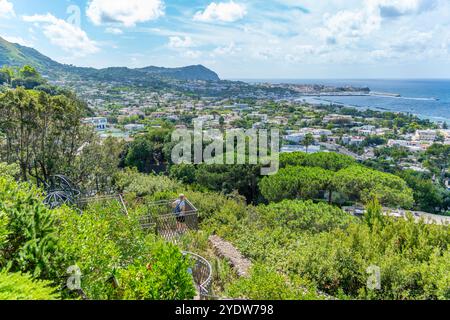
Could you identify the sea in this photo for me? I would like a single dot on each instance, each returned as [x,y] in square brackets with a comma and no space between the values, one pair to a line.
[427,99]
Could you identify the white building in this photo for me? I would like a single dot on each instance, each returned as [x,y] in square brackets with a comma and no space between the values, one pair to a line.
[263,117]
[412,146]
[425,135]
[238,106]
[134,127]
[99,123]
[278,120]
[366,130]
[353,140]
[295,137]
[290,149]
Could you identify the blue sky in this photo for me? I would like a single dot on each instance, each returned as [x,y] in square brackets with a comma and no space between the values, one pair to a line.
[241,38]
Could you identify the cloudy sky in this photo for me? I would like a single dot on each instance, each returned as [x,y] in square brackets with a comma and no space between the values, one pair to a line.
[245,39]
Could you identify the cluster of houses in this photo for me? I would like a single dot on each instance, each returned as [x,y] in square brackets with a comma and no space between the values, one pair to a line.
[421,140]
[332,132]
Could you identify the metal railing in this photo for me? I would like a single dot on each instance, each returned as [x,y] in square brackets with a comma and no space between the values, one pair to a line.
[161,220]
[202,274]
[83,203]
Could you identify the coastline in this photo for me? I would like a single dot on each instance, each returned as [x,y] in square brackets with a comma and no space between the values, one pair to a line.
[314,99]
[426,98]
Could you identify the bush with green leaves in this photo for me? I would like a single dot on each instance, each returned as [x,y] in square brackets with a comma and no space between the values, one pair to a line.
[4,232]
[15,286]
[109,246]
[332,251]
[264,283]
[163,276]
[296,183]
[428,196]
[210,204]
[302,216]
[12,170]
[363,184]
[31,244]
[325,160]
[131,181]
[412,259]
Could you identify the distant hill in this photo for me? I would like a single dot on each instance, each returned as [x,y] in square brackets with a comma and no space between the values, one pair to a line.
[197,72]
[12,54]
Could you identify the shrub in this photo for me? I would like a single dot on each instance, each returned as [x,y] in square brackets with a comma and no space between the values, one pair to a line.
[132,181]
[296,183]
[303,216]
[363,184]
[106,245]
[325,160]
[14,286]
[411,257]
[264,283]
[31,243]
[165,276]
[12,170]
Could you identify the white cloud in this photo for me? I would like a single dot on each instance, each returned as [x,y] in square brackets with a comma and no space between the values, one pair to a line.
[112,30]
[180,42]
[125,12]
[69,37]
[229,50]
[6,9]
[193,54]
[18,40]
[346,26]
[222,12]
[407,45]
[184,45]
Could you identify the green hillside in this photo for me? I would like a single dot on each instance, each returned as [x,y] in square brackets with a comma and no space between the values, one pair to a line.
[16,55]
[12,54]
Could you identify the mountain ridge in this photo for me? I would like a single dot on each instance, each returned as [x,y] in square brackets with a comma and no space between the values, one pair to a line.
[13,54]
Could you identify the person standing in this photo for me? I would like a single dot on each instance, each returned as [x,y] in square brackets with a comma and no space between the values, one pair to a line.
[179,206]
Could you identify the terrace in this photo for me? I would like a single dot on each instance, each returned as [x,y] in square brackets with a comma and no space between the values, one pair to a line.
[161,220]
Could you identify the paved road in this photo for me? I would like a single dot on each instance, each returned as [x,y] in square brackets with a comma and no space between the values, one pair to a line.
[427,217]
[340,149]
[400,213]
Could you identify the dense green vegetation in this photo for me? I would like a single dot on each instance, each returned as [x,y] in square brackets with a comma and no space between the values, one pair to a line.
[297,183]
[333,251]
[312,176]
[44,134]
[104,244]
[14,286]
[290,225]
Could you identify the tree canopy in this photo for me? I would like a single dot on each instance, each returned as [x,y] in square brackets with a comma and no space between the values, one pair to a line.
[296,183]
[364,184]
[325,160]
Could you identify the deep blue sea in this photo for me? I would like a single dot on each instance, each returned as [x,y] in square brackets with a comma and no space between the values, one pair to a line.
[424,98]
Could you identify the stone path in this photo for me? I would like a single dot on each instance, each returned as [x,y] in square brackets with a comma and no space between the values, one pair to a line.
[226,250]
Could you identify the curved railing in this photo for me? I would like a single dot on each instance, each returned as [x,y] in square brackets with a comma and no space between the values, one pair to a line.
[202,274]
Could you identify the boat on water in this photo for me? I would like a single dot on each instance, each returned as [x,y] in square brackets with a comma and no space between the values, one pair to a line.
[385,94]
